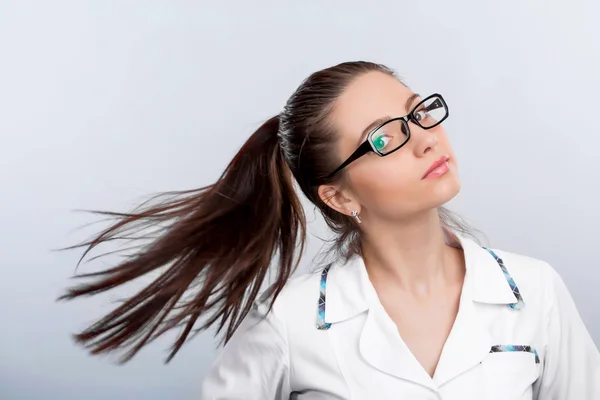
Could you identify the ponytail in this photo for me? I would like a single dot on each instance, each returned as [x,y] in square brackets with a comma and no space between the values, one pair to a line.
[216,242]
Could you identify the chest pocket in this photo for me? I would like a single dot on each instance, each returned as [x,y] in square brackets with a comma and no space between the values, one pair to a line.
[510,371]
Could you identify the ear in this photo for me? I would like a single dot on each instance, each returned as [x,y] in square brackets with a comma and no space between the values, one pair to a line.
[339,200]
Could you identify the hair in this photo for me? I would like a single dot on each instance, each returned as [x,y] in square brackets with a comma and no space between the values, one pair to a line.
[214,246]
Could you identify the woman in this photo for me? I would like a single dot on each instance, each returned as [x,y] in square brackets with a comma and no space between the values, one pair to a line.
[410,308]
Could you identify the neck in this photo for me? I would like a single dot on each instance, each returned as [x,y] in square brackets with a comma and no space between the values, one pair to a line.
[412,254]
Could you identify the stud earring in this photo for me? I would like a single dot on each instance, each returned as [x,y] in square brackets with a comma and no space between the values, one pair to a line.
[355,215]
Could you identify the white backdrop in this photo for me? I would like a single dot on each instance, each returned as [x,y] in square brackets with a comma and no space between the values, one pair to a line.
[104,102]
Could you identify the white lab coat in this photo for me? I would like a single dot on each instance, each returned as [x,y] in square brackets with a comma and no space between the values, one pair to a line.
[517,335]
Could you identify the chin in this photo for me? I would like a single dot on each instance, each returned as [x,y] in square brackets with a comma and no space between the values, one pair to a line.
[445,190]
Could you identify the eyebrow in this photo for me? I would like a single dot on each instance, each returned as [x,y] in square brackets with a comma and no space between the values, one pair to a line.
[385,118]
[410,100]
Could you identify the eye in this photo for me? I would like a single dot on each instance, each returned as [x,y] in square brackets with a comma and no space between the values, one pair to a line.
[381,142]
[421,114]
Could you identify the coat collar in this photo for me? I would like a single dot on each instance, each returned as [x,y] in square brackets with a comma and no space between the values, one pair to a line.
[490,279]
[346,290]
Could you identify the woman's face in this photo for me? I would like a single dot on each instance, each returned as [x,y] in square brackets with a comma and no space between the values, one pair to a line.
[390,187]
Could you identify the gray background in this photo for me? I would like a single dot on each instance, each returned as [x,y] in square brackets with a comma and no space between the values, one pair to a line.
[105,102]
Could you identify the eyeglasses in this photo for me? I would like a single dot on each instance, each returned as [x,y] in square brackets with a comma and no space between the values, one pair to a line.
[395,133]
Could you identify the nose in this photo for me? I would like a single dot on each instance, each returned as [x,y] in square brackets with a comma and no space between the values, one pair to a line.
[423,140]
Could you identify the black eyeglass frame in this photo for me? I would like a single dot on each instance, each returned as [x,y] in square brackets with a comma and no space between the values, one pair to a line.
[368,145]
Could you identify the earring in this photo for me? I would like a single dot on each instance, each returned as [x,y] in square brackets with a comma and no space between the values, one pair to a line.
[355,215]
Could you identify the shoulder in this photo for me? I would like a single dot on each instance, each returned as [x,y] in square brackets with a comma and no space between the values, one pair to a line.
[302,285]
[296,306]
[537,279]
[526,267]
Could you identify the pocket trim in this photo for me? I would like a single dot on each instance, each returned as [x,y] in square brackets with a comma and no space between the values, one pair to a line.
[507,348]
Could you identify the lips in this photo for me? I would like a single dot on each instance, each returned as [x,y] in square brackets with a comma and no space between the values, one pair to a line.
[436,165]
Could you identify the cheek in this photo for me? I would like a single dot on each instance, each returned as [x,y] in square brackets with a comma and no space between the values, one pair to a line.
[382,181]
[392,186]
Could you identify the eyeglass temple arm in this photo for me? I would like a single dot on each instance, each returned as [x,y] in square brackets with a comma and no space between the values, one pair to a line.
[362,150]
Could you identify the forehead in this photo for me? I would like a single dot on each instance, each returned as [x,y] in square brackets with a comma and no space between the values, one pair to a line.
[368,97]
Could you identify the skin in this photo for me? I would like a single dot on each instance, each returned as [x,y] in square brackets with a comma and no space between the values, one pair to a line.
[416,274]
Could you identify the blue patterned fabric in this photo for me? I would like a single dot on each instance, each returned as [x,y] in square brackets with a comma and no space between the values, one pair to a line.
[321,324]
[513,286]
[502,348]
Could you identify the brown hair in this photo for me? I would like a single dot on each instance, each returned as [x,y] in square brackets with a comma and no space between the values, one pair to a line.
[216,243]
